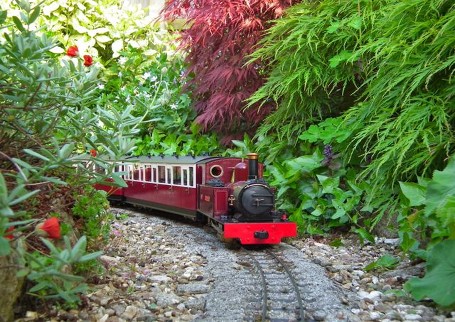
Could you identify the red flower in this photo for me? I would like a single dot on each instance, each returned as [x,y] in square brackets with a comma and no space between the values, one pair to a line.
[73,51]
[10,229]
[49,228]
[88,60]
[93,152]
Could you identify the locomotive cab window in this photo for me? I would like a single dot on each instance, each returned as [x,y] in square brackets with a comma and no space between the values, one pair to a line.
[216,171]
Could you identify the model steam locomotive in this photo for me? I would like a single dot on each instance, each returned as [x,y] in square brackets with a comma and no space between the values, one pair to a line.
[227,193]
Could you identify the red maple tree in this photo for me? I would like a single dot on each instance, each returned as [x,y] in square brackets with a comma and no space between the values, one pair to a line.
[218,36]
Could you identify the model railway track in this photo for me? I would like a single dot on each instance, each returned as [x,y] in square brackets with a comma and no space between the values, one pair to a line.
[280,298]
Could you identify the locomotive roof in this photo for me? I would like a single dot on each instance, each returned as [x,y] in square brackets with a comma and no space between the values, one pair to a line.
[171,159]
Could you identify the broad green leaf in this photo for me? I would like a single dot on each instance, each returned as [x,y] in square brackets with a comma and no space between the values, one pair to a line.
[340,211]
[441,188]
[414,192]
[364,235]
[446,213]
[439,280]
[384,262]
[329,184]
[305,163]
[5,248]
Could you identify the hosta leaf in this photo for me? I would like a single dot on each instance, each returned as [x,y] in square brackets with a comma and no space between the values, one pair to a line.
[439,280]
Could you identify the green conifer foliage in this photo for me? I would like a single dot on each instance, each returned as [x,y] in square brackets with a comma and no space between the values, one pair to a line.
[404,123]
[386,66]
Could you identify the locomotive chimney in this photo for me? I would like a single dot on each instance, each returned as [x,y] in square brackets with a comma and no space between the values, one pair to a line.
[252,166]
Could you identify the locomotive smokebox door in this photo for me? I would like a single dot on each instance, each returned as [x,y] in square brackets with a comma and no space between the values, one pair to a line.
[254,201]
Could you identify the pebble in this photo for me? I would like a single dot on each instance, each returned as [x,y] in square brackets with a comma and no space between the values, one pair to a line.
[151,274]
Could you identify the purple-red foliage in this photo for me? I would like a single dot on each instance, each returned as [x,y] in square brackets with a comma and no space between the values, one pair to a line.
[218,37]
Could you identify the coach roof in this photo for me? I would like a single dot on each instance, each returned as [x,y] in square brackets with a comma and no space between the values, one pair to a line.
[171,159]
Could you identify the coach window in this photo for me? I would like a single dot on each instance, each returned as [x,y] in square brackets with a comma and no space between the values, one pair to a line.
[177,175]
[148,173]
[161,174]
[191,176]
[142,173]
[129,171]
[185,177]
[169,175]
[154,173]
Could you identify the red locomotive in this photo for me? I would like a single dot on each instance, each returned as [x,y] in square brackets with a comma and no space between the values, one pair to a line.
[228,193]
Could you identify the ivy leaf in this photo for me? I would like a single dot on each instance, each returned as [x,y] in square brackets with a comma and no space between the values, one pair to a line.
[439,280]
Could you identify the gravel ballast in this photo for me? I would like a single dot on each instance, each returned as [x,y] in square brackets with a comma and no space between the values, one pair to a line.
[160,269]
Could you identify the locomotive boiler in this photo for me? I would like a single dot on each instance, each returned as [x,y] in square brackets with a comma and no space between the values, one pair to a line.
[229,194]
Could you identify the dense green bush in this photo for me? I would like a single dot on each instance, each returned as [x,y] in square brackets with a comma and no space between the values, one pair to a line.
[385,67]
[49,120]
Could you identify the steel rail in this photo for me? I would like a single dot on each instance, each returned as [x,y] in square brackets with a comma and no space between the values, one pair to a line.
[293,281]
[264,286]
